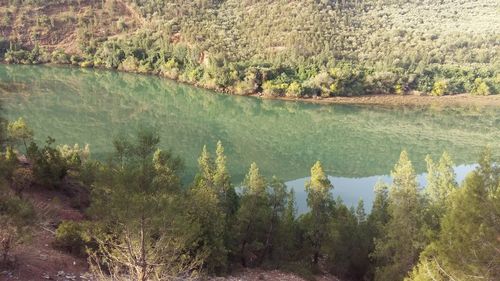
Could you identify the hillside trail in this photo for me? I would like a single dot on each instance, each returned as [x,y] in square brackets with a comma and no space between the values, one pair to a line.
[36,259]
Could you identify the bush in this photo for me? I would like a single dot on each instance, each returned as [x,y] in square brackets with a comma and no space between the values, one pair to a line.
[60,57]
[274,88]
[13,56]
[480,88]
[8,163]
[16,217]
[440,88]
[244,88]
[294,90]
[49,166]
[22,178]
[72,237]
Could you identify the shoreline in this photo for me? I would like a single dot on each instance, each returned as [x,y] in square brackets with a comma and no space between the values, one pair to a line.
[380,99]
[461,100]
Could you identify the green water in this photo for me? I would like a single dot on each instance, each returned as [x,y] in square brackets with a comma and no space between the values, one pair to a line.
[283,138]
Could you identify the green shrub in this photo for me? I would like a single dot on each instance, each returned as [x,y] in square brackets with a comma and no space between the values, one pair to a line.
[13,56]
[49,166]
[72,237]
[16,218]
[440,88]
[274,88]
[480,88]
[294,90]
[60,57]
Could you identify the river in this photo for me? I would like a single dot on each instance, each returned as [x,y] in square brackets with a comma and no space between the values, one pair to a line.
[357,145]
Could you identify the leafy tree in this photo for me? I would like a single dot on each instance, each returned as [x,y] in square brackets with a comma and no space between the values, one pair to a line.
[18,131]
[481,88]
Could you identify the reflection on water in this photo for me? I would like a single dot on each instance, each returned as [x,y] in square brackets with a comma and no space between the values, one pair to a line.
[350,190]
[283,138]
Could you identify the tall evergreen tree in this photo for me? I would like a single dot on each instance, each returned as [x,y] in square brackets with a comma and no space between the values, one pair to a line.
[440,184]
[397,251]
[205,176]
[222,182]
[379,215]
[137,203]
[253,217]
[321,204]
[360,212]
[440,179]
[468,246]
[277,202]
[376,222]
[287,235]
[206,215]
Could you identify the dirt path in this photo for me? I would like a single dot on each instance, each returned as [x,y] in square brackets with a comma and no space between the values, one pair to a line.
[37,259]
[256,274]
[133,12]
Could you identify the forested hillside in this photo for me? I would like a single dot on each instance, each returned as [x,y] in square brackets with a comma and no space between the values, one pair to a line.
[295,48]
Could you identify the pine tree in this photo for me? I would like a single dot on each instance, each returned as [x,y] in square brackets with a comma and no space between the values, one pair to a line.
[205,176]
[207,217]
[379,215]
[397,251]
[253,217]
[222,182]
[321,204]
[360,212]
[440,184]
[377,220]
[277,202]
[207,230]
[467,245]
[440,179]
[137,204]
[287,235]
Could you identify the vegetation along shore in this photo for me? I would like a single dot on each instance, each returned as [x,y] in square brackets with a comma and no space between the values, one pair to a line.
[320,49]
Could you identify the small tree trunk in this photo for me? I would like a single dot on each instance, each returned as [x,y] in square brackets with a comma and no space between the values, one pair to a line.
[143,265]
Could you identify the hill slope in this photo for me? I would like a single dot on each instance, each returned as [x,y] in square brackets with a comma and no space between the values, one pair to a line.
[327,47]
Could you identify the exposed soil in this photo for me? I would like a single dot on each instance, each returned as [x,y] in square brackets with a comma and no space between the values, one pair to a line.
[404,100]
[37,259]
[271,275]
[60,26]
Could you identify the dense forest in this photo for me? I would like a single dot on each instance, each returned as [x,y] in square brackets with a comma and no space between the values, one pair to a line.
[142,223]
[299,48]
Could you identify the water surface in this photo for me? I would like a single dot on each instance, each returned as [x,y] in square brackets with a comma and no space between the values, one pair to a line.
[357,144]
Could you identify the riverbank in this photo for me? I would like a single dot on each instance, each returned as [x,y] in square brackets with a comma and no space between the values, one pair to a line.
[401,100]
[409,99]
